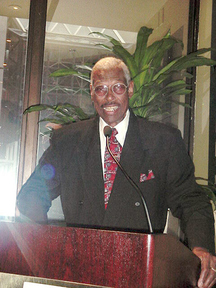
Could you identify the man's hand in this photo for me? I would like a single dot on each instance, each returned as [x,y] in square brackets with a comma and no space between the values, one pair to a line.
[208,268]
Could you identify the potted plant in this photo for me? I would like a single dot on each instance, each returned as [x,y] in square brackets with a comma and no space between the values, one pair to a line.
[155,83]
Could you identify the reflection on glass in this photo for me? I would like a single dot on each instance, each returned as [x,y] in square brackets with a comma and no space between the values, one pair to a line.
[13,42]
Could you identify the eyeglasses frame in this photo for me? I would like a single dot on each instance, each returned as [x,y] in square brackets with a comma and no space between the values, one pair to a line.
[108,87]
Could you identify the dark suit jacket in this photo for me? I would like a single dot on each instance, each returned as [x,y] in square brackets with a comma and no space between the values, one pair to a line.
[71,168]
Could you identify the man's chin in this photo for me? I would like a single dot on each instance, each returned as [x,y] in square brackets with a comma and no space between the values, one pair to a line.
[112,121]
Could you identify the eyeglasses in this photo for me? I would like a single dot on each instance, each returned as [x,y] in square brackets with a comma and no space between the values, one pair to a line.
[118,89]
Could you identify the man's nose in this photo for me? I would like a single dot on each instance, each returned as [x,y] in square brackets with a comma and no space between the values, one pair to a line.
[110,94]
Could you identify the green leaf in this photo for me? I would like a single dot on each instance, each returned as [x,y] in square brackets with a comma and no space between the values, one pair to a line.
[141,44]
[166,45]
[64,72]
[63,120]
[38,107]
[156,52]
[111,39]
[176,83]
[127,58]
[84,67]
[80,113]
[200,51]
[181,92]
[165,69]
[181,103]
[60,113]
[105,47]
[186,75]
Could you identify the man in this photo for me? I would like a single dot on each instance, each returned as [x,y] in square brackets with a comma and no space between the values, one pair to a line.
[153,155]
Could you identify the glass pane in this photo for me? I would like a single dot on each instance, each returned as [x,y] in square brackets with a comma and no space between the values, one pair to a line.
[70,46]
[13,43]
[67,46]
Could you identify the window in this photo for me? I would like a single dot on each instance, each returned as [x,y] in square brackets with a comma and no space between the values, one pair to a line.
[13,46]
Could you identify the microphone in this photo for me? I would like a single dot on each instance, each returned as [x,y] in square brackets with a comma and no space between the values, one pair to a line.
[107,131]
[107,134]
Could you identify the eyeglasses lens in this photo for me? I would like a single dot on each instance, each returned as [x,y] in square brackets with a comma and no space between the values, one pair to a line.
[119,88]
[101,90]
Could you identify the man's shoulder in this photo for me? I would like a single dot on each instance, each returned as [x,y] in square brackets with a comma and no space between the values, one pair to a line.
[156,135]
[155,127]
[75,130]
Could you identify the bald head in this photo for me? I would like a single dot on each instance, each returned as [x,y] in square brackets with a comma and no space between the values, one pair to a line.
[108,64]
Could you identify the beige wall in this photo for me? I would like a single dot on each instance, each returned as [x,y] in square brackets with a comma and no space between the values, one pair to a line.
[127,15]
[201,135]
[172,16]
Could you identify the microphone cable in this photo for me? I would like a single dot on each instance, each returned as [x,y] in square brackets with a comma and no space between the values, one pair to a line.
[107,134]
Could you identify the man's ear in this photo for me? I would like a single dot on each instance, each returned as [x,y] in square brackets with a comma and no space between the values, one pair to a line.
[91,92]
[130,89]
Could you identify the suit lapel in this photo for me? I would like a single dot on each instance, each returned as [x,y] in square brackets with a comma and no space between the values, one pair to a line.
[90,166]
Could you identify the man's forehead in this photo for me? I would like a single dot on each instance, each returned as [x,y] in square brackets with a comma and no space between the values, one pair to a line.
[116,73]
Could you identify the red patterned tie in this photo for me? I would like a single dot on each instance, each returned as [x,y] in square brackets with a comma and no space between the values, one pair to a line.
[110,167]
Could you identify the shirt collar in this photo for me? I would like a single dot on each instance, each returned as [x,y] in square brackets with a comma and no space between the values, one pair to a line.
[121,128]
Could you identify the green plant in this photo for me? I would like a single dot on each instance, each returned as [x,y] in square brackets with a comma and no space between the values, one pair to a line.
[156,83]
[209,188]
[77,70]
[154,86]
[64,113]
[59,114]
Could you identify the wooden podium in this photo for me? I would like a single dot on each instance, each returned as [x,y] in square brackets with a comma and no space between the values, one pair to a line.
[98,257]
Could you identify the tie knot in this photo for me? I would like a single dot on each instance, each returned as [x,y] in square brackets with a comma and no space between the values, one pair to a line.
[114,132]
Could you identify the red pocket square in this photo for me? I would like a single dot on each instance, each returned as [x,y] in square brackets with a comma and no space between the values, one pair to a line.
[144,178]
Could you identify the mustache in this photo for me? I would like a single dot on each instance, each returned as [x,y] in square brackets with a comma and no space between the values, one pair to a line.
[108,104]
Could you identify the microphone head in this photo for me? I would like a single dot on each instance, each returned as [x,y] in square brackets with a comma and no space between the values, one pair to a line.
[107,131]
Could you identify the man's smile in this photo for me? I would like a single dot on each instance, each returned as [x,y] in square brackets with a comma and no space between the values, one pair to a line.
[110,107]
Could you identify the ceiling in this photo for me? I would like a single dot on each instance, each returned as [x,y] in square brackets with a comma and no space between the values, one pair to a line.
[69,22]
[127,15]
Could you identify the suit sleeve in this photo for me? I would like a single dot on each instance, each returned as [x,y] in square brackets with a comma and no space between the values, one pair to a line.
[36,195]
[186,198]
